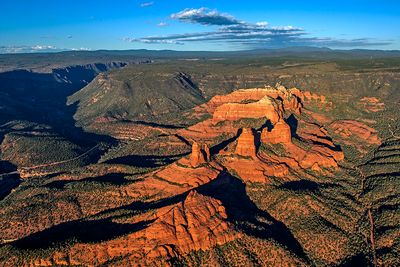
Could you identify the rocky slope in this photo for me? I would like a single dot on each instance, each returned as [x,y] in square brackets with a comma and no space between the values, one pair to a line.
[148,94]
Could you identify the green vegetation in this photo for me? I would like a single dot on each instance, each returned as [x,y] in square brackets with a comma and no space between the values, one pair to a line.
[277,149]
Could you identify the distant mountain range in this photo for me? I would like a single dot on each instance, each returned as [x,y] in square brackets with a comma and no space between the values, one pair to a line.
[44,62]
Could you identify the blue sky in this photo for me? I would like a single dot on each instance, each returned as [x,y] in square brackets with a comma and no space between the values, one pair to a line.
[53,25]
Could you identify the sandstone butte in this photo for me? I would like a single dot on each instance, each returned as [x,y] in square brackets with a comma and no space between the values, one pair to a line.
[199,155]
[280,133]
[292,98]
[246,144]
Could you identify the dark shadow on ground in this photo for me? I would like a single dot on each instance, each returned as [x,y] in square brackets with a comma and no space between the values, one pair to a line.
[247,217]
[221,146]
[301,185]
[8,181]
[146,161]
[357,260]
[231,191]
[268,125]
[158,125]
[293,123]
[82,231]
[6,166]
[111,179]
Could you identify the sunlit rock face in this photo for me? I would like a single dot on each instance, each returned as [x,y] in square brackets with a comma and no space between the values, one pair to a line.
[280,134]
[266,107]
[200,154]
[246,144]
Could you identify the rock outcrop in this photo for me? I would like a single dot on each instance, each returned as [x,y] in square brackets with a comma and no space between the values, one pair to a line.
[292,102]
[280,134]
[312,96]
[352,128]
[199,155]
[197,222]
[207,153]
[246,144]
[372,104]
[267,107]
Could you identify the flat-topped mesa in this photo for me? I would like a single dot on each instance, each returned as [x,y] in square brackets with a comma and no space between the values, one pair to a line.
[199,155]
[267,107]
[280,134]
[246,144]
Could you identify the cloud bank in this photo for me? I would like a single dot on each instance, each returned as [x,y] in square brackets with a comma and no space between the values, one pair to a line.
[226,29]
[36,49]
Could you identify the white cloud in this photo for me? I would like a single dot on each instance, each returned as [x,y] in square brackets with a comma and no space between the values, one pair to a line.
[262,24]
[247,34]
[204,16]
[146,4]
[14,49]
[162,24]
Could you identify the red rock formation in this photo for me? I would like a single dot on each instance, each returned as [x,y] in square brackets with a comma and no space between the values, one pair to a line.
[239,96]
[256,171]
[207,153]
[292,102]
[372,104]
[311,96]
[199,155]
[280,134]
[348,128]
[246,145]
[297,92]
[267,107]
[198,222]
[256,103]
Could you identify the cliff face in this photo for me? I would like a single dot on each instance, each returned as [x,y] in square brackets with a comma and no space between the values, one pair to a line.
[199,155]
[266,107]
[280,133]
[246,145]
